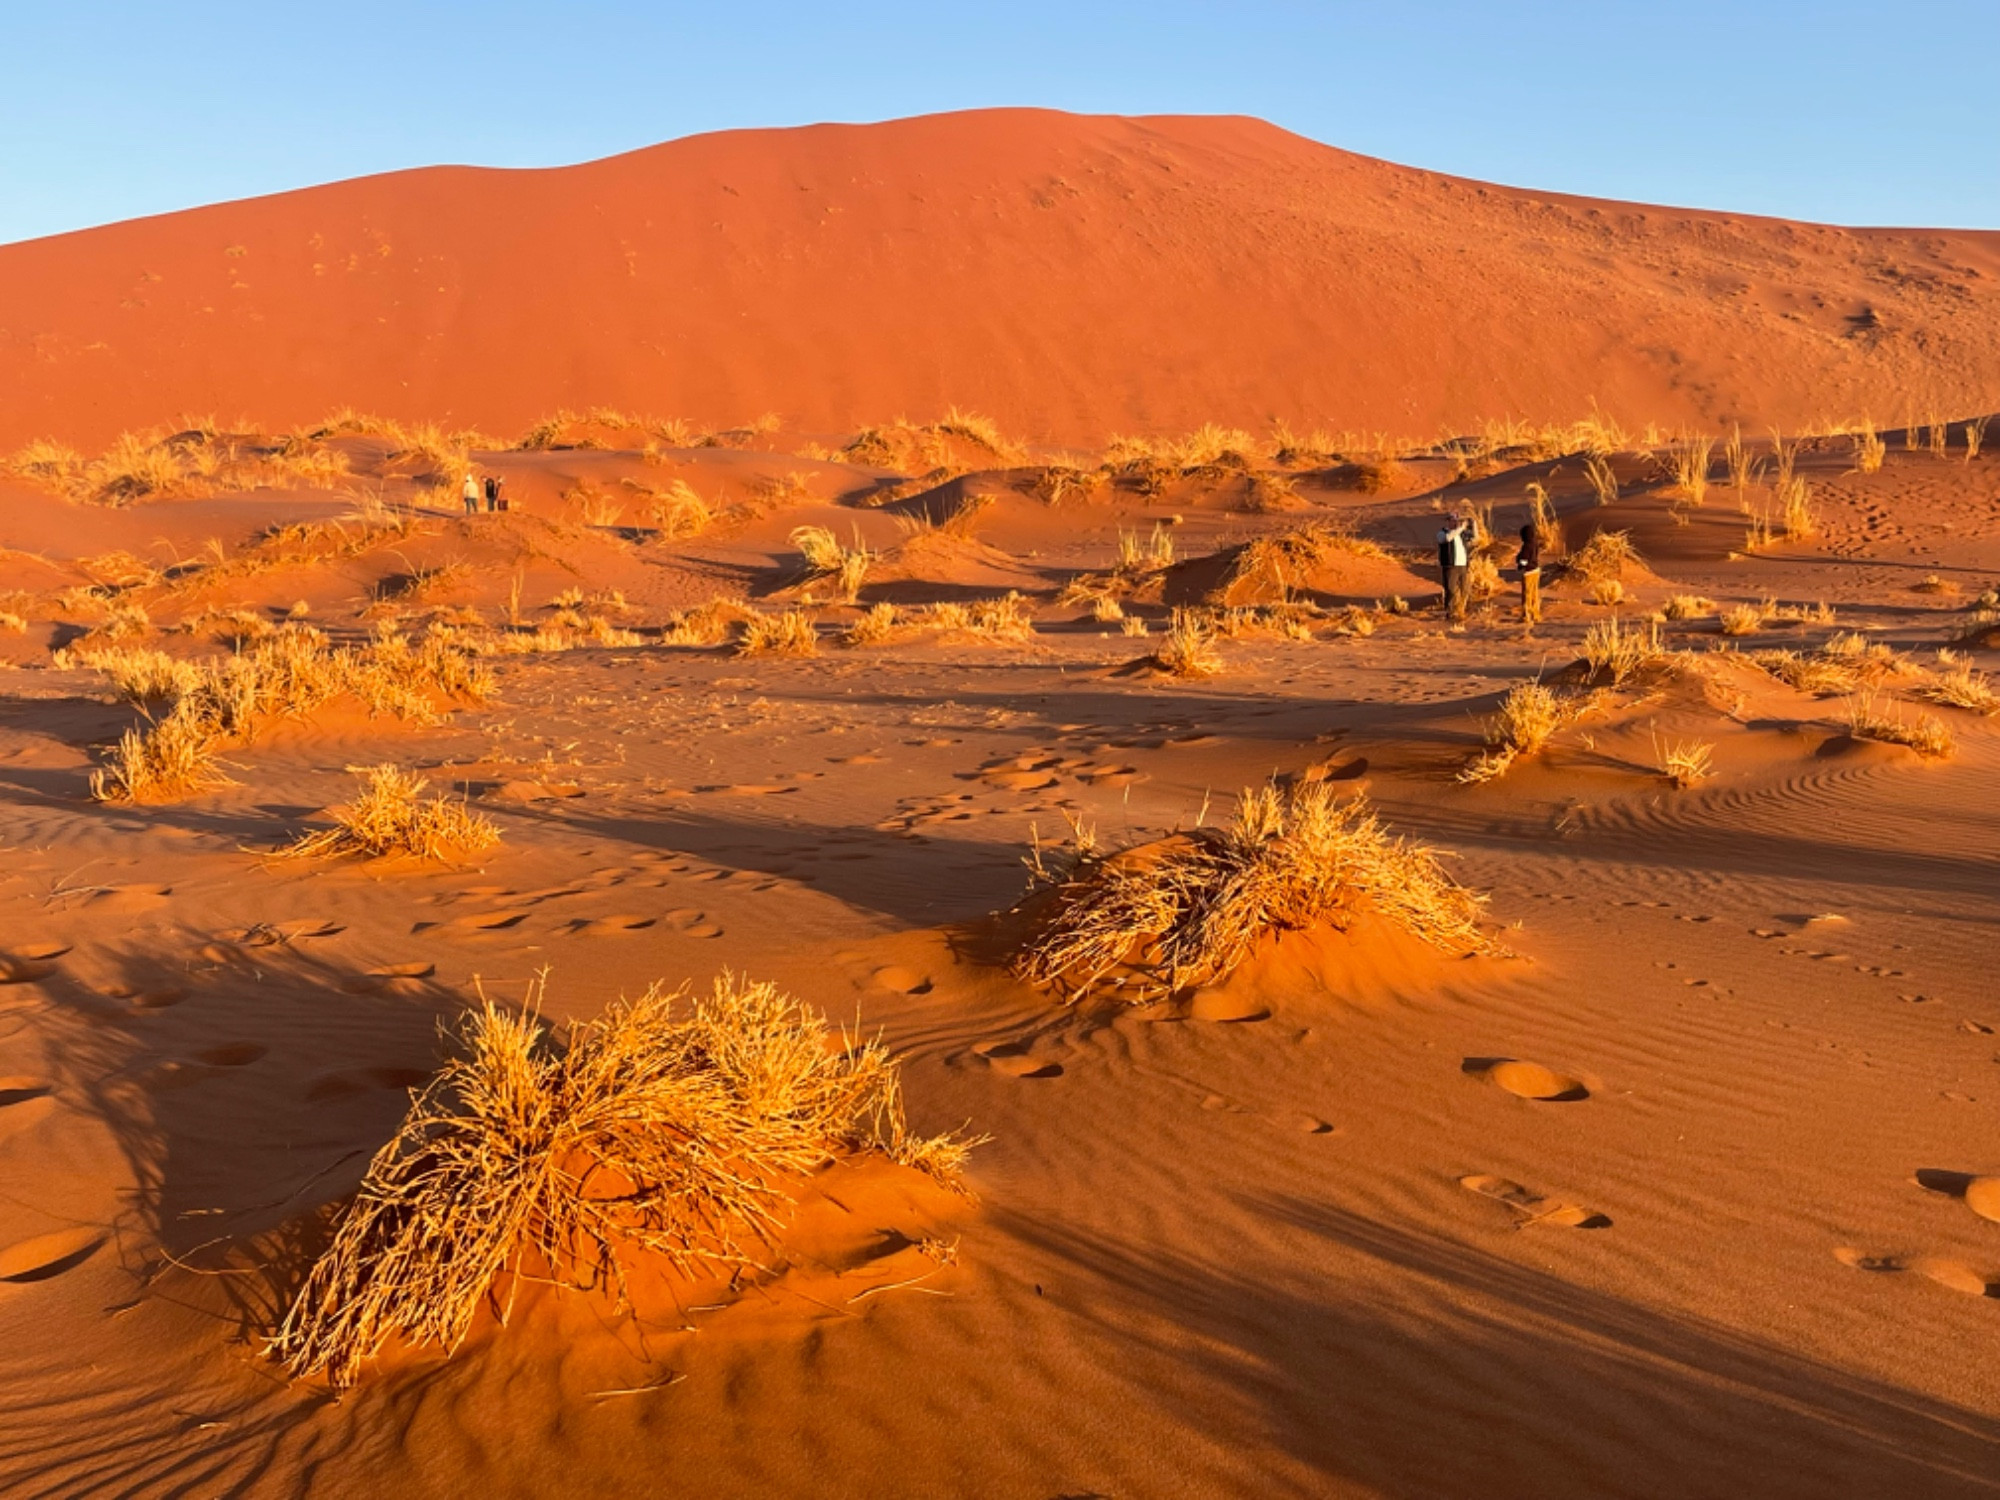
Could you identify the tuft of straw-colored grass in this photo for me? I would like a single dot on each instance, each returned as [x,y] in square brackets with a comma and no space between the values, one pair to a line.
[877,626]
[1690,461]
[1975,437]
[1605,556]
[670,1126]
[1928,735]
[138,673]
[1187,910]
[1603,481]
[391,816]
[11,623]
[1188,648]
[175,757]
[1741,619]
[1688,607]
[1611,649]
[1869,449]
[792,632]
[1957,684]
[1685,762]
[823,557]
[1796,503]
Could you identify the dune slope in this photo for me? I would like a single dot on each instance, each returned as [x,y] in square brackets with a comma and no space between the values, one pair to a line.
[1070,275]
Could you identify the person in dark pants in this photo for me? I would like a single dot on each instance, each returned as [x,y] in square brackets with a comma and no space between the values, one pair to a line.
[1529,561]
[471,493]
[492,494]
[1452,561]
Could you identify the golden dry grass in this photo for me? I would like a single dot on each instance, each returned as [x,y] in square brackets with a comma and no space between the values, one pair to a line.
[1187,910]
[824,559]
[1957,684]
[1795,502]
[1526,720]
[1688,607]
[1741,619]
[667,1127]
[391,816]
[1869,450]
[1188,648]
[1685,762]
[1604,558]
[793,632]
[175,756]
[1614,650]
[1927,734]
[1690,462]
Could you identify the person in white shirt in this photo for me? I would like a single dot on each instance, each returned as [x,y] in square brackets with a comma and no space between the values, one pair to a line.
[1452,562]
[471,493]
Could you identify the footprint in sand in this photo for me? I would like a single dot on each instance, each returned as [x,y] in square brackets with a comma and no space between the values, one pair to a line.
[692,923]
[903,981]
[1014,1060]
[1022,781]
[1532,1206]
[23,970]
[405,977]
[1953,1274]
[232,1055]
[19,1089]
[473,923]
[613,926]
[1527,1080]
[1222,1006]
[1981,1194]
[750,789]
[164,999]
[130,897]
[48,1255]
[364,1080]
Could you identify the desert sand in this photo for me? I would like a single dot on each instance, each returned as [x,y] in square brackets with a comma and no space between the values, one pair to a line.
[1670,1180]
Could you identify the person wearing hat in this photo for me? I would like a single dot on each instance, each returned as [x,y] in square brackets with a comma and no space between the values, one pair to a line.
[471,493]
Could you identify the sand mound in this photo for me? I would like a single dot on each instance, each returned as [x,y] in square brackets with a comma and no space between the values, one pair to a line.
[1015,261]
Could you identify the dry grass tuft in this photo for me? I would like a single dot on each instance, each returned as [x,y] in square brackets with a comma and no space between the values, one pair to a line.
[176,757]
[391,816]
[1188,648]
[706,624]
[1869,450]
[1796,503]
[662,1128]
[1741,619]
[1617,651]
[1189,909]
[1603,482]
[1604,558]
[1688,607]
[1685,762]
[1928,735]
[1957,684]
[791,633]
[1690,462]
[1527,719]
[824,559]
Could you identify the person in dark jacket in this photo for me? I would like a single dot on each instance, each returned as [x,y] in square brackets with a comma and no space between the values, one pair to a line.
[492,494]
[1529,561]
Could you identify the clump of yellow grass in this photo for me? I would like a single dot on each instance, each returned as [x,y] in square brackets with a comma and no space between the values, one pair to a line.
[1526,720]
[1927,734]
[1685,762]
[1188,909]
[1957,684]
[1616,651]
[1188,648]
[790,633]
[666,1127]
[824,558]
[392,816]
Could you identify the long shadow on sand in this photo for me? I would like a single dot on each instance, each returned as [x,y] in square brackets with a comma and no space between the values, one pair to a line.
[1437,1368]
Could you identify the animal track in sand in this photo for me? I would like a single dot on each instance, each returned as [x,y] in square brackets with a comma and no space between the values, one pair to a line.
[1954,1274]
[48,1255]
[1014,1060]
[480,921]
[1533,1207]
[1527,1080]
[1021,781]
[750,789]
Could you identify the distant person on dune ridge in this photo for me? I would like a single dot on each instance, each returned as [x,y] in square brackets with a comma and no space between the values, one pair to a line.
[471,493]
[1452,561]
[492,494]
[1529,561]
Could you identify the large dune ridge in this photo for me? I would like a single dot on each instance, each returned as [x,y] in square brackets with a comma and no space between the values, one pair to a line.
[1073,276]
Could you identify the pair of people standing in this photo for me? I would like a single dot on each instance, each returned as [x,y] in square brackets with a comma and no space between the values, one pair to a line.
[1454,568]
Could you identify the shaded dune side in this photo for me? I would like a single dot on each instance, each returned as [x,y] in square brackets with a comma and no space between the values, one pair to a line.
[1070,275]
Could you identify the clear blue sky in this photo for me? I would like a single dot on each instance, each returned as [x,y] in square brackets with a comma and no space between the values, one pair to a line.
[1853,113]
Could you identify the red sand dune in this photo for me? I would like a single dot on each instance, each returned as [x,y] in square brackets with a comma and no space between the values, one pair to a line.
[1071,275]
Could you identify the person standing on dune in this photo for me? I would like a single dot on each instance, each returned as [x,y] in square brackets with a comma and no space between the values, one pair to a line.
[492,494]
[1451,566]
[1529,561]
[471,493]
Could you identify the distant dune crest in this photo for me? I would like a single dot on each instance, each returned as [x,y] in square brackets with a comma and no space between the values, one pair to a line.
[1073,276]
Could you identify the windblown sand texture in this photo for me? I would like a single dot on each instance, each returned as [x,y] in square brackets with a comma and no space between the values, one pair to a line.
[1667,1165]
